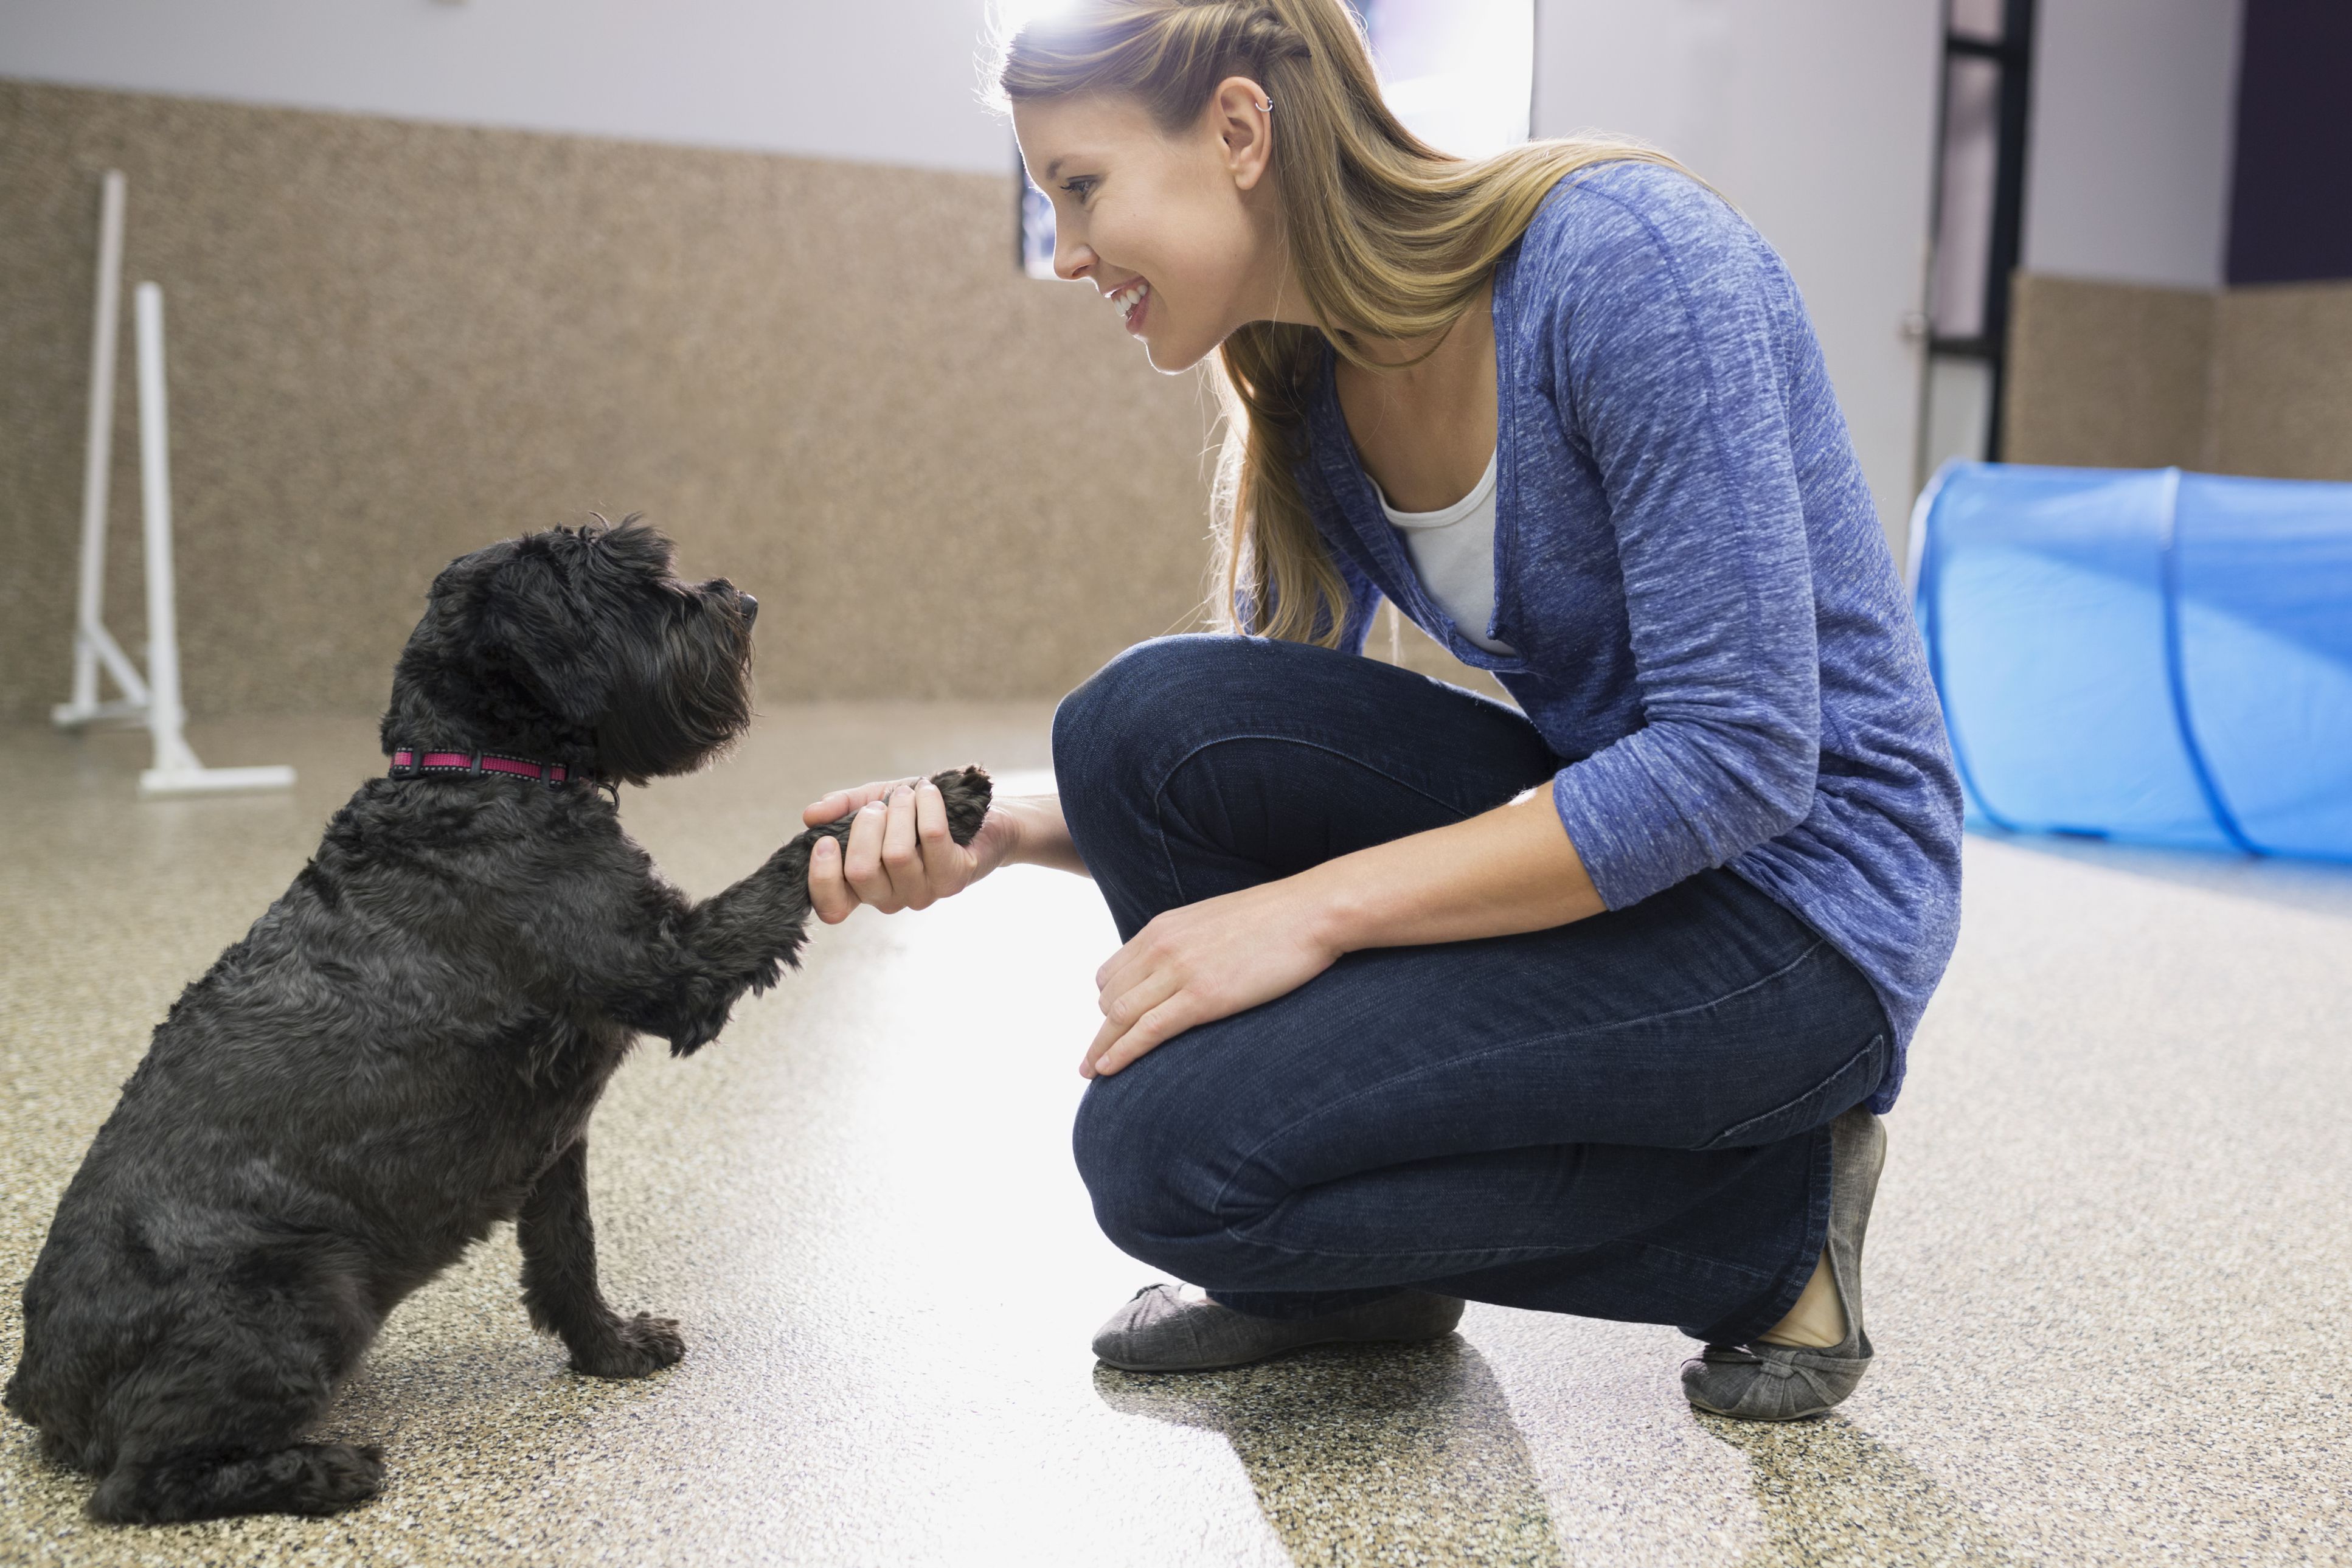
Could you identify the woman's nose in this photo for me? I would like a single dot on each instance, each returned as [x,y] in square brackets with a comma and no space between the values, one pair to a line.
[1071,261]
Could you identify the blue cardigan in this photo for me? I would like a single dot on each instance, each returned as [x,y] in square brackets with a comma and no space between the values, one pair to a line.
[1708,624]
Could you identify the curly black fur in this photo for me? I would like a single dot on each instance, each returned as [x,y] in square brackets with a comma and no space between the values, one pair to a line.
[405,1049]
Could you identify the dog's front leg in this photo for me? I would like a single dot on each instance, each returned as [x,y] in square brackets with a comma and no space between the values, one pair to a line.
[559,1280]
[744,938]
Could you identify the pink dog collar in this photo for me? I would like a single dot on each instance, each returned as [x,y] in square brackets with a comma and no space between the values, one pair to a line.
[407,763]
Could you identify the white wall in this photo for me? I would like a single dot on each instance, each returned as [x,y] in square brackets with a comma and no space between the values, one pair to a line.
[2135,107]
[1817,117]
[882,80]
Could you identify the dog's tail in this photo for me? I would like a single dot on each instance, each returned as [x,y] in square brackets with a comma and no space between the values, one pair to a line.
[306,1478]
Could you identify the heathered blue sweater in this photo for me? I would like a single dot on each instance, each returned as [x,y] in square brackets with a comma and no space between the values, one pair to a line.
[1708,624]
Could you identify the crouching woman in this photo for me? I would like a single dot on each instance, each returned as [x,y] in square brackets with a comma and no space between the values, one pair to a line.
[1586,1005]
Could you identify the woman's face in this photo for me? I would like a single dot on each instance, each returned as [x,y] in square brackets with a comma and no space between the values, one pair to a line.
[1176,231]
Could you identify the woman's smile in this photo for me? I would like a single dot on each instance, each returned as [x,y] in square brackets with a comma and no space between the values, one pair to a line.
[1131,300]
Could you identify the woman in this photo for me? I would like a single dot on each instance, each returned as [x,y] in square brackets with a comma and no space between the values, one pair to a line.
[1585,1007]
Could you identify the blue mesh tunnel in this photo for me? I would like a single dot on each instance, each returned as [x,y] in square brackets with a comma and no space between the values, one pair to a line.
[2157,657]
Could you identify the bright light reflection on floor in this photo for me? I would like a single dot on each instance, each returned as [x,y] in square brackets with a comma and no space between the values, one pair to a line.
[2125,1148]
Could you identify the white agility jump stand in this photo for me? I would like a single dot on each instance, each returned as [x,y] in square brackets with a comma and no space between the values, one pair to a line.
[91,642]
[154,701]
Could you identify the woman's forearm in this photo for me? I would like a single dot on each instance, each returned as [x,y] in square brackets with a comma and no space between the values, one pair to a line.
[1506,870]
[1041,837]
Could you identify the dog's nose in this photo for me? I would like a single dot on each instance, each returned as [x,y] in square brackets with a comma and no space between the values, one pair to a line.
[751,607]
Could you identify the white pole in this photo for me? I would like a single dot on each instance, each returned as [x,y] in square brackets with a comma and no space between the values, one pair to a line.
[165,715]
[99,450]
[176,770]
[91,643]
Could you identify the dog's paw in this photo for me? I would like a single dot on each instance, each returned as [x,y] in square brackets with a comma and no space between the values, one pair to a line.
[338,1475]
[966,793]
[633,1348]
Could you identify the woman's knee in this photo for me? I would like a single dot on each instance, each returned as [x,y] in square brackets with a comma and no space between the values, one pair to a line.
[1149,1185]
[1145,695]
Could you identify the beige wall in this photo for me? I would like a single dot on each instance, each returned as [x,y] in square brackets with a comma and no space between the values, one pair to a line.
[2106,375]
[2244,381]
[2282,380]
[390,342]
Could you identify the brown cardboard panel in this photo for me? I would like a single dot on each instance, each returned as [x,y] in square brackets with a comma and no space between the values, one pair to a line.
[2106,375]
[2282,380]
[2255,379]
[390,343]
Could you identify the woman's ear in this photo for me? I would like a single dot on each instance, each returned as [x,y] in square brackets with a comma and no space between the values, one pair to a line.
[1244,117]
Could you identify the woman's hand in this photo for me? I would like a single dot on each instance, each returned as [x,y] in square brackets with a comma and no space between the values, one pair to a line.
[1503,871]
[1199,962]
[899,855]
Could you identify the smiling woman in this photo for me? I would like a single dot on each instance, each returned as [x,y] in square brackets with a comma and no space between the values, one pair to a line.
[1383,235]
[1459,74]
[1585,1006]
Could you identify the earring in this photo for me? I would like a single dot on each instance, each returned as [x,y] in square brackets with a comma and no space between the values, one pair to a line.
[1267,107]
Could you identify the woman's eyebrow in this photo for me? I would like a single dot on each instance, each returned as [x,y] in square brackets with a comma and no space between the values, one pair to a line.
[1081,156]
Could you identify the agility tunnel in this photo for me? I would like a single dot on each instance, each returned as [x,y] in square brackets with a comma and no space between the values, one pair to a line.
[2154,657]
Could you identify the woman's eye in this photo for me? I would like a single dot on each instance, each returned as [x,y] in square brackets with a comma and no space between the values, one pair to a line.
[1078,190]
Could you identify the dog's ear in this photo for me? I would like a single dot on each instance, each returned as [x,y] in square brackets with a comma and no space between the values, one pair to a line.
[536,628]
[563,610]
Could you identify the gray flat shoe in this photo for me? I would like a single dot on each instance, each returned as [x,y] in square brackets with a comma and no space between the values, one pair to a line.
[1788,1383]
[1159,1330]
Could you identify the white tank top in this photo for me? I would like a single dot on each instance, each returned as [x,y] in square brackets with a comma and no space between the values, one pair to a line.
[1454,552]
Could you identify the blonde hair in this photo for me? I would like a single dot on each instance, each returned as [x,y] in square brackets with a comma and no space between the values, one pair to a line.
[1388,238]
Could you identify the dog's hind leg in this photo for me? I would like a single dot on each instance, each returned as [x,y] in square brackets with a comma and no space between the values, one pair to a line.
[207,1427]
[559,1280]
[206,1421]
[302,1478]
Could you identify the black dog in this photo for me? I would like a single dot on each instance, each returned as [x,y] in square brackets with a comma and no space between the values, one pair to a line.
[404,1050]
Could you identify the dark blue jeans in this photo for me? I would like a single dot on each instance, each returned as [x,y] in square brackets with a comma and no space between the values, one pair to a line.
[1622,1118]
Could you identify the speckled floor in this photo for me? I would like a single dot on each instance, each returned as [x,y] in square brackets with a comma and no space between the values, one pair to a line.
[2109,1267]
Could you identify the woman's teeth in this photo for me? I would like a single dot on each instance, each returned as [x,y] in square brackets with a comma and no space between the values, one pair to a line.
[1127,299]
